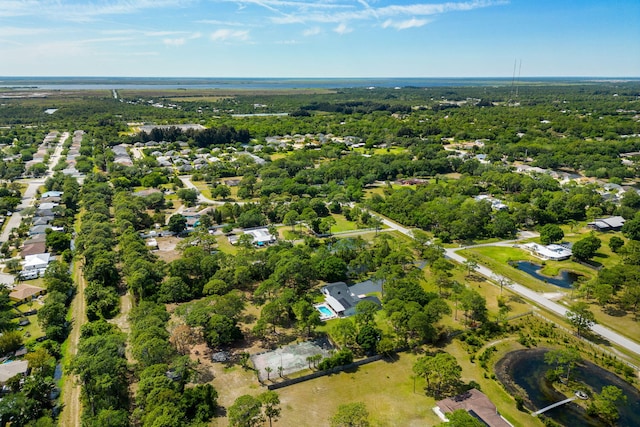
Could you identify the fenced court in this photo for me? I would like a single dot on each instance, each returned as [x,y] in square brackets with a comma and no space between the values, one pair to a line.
[292,358]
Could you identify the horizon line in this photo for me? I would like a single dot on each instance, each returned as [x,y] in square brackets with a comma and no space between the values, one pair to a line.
[319,77]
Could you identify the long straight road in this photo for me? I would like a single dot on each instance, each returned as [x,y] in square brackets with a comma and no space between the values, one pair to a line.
[537,298]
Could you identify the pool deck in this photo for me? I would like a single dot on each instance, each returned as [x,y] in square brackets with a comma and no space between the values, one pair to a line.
[323,314]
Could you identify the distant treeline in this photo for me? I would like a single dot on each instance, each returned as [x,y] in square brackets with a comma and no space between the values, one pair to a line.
[201,138]
[362,107]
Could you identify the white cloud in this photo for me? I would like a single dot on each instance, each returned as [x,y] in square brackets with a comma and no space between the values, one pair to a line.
[17,31]
[67,10]
[342,29]
[229,35]
[311,32]
[179,41]
[174,42]
[403,25]
[221,22]
[372,13]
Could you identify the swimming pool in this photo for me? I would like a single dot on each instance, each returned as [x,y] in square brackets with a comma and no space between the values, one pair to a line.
[325,311]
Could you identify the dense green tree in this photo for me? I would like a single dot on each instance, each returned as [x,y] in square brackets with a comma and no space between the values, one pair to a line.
[631,228]
[586,248]
[177,223]
[245,412]
[307,316]
[615,243]
[441,372]
[365,313]
[188,195]
[351,415]
[57,241]
[270,405]
[605,404]
[580,317]
[564,359]
[221,330]
[550,233]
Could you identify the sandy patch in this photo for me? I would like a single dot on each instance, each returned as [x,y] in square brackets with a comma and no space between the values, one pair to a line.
[553,296]
[167,248]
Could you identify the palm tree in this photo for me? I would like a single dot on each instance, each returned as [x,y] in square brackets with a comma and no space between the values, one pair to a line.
[268,370]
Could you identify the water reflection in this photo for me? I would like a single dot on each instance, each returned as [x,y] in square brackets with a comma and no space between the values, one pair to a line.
[565,279]
[527,369]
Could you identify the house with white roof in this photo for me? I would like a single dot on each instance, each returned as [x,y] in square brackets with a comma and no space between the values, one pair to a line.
[36,262]
[549,252]
[261,236]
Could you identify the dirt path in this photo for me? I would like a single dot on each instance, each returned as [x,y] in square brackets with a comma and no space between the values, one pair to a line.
[122,322]
[71,406]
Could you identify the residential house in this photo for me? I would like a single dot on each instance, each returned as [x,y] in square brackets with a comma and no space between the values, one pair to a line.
[11,369]
[342,300]
[51,194]
[44,212]
[41,220]
[36,262]
[24,293]
[474,402]
[549,252]
[47,206]
[33,249]
[261,236]
[613,223]
[39,229]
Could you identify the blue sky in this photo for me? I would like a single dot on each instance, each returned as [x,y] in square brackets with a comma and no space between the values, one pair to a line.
[319,38]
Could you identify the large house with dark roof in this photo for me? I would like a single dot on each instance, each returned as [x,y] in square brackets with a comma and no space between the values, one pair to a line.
[613,223]
[341,300]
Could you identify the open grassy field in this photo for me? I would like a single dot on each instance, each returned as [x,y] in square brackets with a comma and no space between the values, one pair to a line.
[379,189]
[497,259]
[203,188]
[618,320]
[225,246]
[342,224]
[387,388]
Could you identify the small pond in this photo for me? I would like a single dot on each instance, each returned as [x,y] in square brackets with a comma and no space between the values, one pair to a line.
[527,369]
[565,279]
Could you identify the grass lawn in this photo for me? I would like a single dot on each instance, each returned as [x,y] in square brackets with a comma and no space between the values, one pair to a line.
[225,246]
[496,258]
[492,388]
[621,322]
[385,388]
[379,189]
[203,188]
[342,224]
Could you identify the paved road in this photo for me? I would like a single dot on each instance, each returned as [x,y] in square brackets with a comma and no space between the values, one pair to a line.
[539,299]
[29,197]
